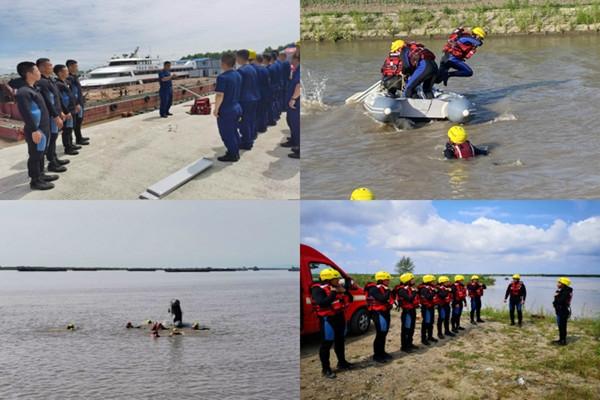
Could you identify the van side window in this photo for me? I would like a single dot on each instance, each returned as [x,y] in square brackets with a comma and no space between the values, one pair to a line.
[316,268]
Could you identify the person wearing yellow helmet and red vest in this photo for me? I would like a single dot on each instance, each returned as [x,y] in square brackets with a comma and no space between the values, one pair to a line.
[459,300]
[427,296]
[407,297]
[329,303]
[379,303]
[517,292]
[562,306]
[475,290]
[444,292]
[392,70]
[459,145]
[461,46]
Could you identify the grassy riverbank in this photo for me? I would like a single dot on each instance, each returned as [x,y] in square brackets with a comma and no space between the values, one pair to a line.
[362,279]
[484,362]
[349,20]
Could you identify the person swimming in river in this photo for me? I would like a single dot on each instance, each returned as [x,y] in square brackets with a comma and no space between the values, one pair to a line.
[459,146]
[175,309]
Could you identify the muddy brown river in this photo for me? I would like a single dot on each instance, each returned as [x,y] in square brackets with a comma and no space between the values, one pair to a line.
[537,103]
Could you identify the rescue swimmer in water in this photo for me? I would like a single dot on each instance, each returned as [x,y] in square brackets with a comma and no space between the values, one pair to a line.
[459,146]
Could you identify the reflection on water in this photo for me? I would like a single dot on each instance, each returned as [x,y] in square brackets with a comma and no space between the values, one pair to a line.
[250,352]
[536,100]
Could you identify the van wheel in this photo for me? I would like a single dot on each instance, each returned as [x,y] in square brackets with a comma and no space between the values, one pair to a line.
[360,322]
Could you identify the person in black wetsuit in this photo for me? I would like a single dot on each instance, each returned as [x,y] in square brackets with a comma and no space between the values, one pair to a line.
[444,289]
[80,102]
[329,304]
[427,296]
[475,290]
[32,108]
[175,309]
[407,298]
[51,96]
[379,304]
[517,293]
[562,306]
[68,104]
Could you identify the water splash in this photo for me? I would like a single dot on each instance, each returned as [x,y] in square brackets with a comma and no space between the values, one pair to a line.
[313,89]
[505,116]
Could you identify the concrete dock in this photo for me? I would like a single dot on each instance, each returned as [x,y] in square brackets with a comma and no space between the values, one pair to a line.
[127,155]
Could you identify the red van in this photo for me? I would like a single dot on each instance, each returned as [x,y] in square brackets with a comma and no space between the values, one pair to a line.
[311,263]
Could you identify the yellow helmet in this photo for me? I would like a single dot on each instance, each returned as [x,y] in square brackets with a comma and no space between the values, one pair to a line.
[565,281]
[382,276]
[252,55]
[428,278]
[406,277]
[459,278]
[328,274]
[475,277]
[516,276]
[479,32]
[396,45]
[457,134]
[443,279]
[362,193]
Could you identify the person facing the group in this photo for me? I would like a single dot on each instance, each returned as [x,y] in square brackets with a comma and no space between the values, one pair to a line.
[444,292]
[286,75]
[379,304]
[459,145]
[461,46]
[475,290]
[73,79]
[175,310]
[459,300]
[562,307]
[165,92]
[407,298]
[293,108]
[329,304]
[68,104]
[227,107]
[517,292]
[249,98]
[428,299]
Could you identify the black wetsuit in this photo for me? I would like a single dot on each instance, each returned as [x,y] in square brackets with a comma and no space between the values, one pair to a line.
[32,108]
[475,300]
[516,301]
[51,96]
[177,313]
[443,311]
[78,117]
[427,293]
[408,315]
[562,306]
[381,319]
[68,107]
[333,329]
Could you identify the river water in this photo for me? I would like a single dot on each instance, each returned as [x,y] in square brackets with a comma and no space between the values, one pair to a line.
[250,352]
[540,294]
[537,101]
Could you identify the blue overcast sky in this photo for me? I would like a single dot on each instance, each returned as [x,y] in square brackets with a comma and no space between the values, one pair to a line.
[457,236]
[149,234]
[93,31]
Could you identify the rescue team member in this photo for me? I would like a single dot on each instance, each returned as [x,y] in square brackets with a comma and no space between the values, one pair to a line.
[428,300]
[475,290]
[459,145]
[562,306]
[461,46]
[165,79]
[275,73]
[407,297]
[35,115]
[51,96]
[379,304]
[293,108]
[270,101]
[422,68]
[286,76]
[393,69]
[249,98]
[264,87]
[459,300]
[79,100]
[444,291]
[67,102]
[517,292]
[329,304]
[227,107]
[175,310]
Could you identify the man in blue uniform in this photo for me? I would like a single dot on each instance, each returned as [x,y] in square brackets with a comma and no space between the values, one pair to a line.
[286,70]
[293,108]
[258,114]
[79,108]
[227,107]
[275,73]
[51,96]
[35,115]
[264,86]
[271,92]
[165,78]
[249,97]
[68,104]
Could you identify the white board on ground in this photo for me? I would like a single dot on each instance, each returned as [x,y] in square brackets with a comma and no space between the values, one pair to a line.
[176,180]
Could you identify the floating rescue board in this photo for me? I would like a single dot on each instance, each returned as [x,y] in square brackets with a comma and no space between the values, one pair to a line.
[176,180]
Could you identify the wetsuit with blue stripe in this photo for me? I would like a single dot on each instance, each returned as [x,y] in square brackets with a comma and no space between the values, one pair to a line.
[80,100]
[458,64]
[425,73]
[32,108]
[51,96]
[68,103]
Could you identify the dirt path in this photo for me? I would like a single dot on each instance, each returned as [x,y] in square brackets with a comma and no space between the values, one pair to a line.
[482,362]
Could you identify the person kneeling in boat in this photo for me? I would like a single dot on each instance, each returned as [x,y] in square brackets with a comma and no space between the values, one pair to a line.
[562,305]
[175,309]
[392,74]
[459,146]
[419,62]
[461,46]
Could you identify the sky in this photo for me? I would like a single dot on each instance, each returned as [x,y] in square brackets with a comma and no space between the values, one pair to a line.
[93,31]
[558,237]
[149,234]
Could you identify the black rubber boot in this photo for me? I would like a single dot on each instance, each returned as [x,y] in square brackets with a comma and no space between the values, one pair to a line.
[48,178]
[55,167]
[38,184]
[229,158]
[328,373]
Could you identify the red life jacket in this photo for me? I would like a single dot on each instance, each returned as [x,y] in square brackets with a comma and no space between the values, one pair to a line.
[418,52]
[463,150]
[448,298]
[460,291]
[475,289]
[372,303]
[412,294]
[458,49]
[425,302]
[515,289]
[437,300]
[392,66]
[336,307]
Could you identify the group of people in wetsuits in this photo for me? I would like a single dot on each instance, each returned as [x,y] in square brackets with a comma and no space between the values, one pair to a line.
[410,64]
[329,301]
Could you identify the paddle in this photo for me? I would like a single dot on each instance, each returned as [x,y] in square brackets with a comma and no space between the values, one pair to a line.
[360,96]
